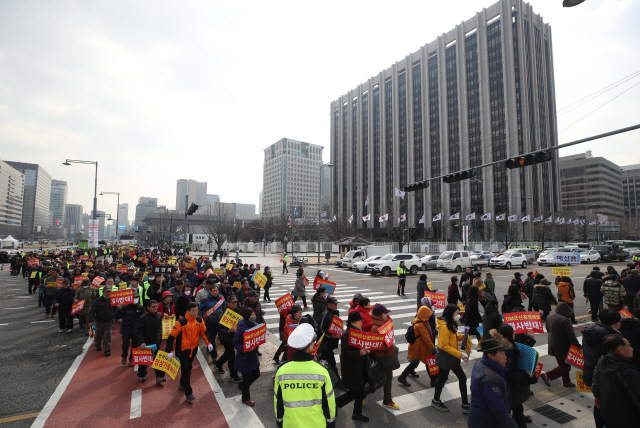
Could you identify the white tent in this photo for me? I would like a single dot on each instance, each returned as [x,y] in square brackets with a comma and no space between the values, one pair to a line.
[9,242]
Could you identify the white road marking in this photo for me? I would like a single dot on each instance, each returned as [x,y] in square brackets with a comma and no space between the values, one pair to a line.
[136,404]
[35,322]
[21,307]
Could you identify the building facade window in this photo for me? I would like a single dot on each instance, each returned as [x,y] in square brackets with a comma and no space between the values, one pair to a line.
[473,116]
[354,157]
[434,135]
[345,157]
[402,137]
[377,155]
[417,137]
[365,150]
[388,144]
[453,133]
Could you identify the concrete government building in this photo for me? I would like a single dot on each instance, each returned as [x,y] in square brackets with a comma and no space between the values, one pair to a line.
[480,93]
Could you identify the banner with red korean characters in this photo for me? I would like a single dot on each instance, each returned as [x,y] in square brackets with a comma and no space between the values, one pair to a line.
[575,357]
[284,303]
[538,370]
[124,297]
[387,330]
[625,313]
[33,262]
[254,337]
[437,300]
[77,281]
[363,340]
[328,285]
[523,322]
[97,281]
[336,327]
[431,364]
[77,307]
[142,357]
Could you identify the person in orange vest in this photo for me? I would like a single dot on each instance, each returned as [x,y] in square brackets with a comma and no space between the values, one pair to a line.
[186,331]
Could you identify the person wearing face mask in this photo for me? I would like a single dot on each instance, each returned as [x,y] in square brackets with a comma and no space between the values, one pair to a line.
[448,357]
[185,333]
[364,306]
[226,335]
[319,303]
[84,292]
[246,363]
[212,319]
[183,300]
[63,300]
[129,315]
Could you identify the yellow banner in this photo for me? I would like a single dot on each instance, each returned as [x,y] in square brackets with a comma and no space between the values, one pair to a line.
[161,362]
[33,274]
[52,284]
[561,271]
[259,279]
[122,286]
[230,319]
[581,386]
[167,325]
[237,284]
[218,272]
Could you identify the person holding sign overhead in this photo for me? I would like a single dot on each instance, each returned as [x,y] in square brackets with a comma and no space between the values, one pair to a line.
[303,393]
[185,333]
[247,362]
[560,338]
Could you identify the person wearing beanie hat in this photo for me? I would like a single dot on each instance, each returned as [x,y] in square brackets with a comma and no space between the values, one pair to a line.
[303,392]
[354,371]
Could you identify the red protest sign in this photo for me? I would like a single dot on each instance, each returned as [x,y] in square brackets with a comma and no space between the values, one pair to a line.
[142,357]
[523,322]
[315,348]
[84,258]
[284,303]
[97,281]
[77,281]
[387,330]
[336,327]
[575,357]
[431,364]
[122,269]
[319,282]
[124,297]
[59,282]
[437,300]
[625,313]
[538,370]
[33,262]
[254,337]
[363,340]
[77,307]
[306,281]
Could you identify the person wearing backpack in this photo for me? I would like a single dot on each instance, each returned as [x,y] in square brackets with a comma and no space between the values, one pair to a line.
[421,344]
[614,292]
[186,332]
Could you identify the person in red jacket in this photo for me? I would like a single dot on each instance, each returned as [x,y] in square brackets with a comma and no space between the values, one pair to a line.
[187,331]
[364,306]
[295,313]
[167,308]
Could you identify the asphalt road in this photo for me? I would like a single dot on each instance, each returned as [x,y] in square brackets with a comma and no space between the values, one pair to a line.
[36,357]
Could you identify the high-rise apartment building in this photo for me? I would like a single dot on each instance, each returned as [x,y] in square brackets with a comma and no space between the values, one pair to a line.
[591,183]
[631,190]
[480,93]
[73,218]
[58,202]
[145,205]
[291,179]
[37,191]
[196,190]
[11,199]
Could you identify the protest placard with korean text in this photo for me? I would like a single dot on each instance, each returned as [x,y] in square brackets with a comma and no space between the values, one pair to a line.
[523,322]
[254,337]
[363,340]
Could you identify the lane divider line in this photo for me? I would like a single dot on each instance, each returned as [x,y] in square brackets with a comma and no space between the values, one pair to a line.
[136,404]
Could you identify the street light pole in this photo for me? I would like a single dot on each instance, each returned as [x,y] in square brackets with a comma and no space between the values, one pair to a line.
[328,165]
[95,190]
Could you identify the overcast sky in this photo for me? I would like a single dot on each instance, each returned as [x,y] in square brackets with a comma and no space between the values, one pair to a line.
[161,90]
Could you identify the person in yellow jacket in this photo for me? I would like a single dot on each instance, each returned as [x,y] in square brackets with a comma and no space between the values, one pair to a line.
[303,391]
[449,356]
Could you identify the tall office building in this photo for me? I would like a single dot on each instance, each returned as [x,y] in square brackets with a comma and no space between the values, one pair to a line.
[123,216]
[588,183]
[480,93]
[197,192]
[291,179]
[212,199]
[11,198]
[631,190]
[85,224]
[260,202]
[245,210]
[37,191]
[145,205]
[73,218]
[58,202]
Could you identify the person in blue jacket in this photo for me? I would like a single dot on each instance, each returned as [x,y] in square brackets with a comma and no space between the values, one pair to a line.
[490,395]
[247,363]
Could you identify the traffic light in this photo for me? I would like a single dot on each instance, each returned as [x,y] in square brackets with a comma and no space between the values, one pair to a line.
[419,185]
[192,209]
[529,159]
[458,176]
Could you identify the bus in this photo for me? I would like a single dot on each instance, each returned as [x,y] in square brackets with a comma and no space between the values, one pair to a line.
[126,239]
[627,244]
[83,244]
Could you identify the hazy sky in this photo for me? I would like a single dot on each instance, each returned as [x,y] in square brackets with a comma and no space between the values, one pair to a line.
[161,90]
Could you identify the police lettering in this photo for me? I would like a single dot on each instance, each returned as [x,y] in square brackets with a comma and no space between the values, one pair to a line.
[298,385]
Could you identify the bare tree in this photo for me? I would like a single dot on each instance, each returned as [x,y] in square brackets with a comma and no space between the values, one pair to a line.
[506,232]
[564,232]
[585,230]
[542,230]
[281,229]
[629,228]
[218,223]
[163,225]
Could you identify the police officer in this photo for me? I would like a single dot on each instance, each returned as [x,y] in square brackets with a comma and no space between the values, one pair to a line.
[303,390]
[402,277]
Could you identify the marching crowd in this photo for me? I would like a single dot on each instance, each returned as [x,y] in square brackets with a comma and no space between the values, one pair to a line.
[197,293]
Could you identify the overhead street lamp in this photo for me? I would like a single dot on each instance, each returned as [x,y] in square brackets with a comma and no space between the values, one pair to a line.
[328,165]
[571,3]
[118,212]
[95,190]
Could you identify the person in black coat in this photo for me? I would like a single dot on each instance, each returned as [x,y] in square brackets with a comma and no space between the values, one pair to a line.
[630,329]
[63,300]
[512,298]
[148,332]
[591,290]
[354,370]
[631,284]
[129,315]
[544,297]
[472,317]
[491,319]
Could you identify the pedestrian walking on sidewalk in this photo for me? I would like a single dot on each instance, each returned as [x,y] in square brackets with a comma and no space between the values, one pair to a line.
[248,362]
[560,338]
[285,260]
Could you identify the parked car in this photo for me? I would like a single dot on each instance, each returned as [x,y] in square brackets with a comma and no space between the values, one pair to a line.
[546,257]
[482,256]
[612,253]
[458,261]
[363,266]
[390,262]
[429,262]
[509,259]
[589,256]
[528,253]
[363,253]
